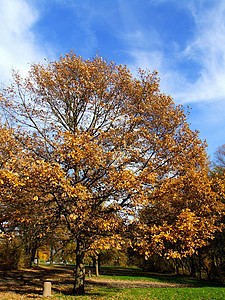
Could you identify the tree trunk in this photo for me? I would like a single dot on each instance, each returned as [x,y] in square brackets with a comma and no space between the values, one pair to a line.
[80,269]
[33,252]
[96,265]
[176,266]
[51,255]
[99,263]
[200,265]
[38,258]
[193,267]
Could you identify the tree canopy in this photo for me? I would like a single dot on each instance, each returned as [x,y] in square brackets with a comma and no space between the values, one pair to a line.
[98,150]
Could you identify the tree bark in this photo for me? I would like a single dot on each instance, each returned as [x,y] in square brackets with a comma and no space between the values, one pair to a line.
[38,258]
[193,267]
[51,255]
[96,265]
[80,269]
[99,263]
[200,265]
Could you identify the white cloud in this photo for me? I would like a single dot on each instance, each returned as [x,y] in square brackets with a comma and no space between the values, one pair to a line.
[17,44]
[206,49]
[152,60]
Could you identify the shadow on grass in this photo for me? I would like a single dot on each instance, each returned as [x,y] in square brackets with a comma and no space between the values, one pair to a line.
[135,273]
[90,292]
[24,282]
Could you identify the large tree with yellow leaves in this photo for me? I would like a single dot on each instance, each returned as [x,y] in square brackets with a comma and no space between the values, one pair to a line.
[98,145]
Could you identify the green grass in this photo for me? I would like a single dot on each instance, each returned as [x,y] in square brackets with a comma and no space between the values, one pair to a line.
[150,293]
[120,273]
[200,290]
[109,289]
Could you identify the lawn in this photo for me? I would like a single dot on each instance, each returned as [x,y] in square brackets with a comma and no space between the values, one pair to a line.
[114,283]
[150,293]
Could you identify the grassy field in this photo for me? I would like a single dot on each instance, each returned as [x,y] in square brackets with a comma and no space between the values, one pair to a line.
[150,293]
[114,283]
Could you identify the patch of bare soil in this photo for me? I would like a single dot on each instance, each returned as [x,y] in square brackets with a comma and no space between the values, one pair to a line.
[28,283]
[130,284]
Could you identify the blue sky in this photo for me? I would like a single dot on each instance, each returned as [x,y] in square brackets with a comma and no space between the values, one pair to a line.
[183,39]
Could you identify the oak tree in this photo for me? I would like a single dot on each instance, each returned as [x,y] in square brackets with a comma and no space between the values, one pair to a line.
[99,145]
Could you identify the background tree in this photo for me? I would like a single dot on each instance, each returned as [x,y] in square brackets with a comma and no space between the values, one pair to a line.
[100,249]
[219,157]
[203,257]
[213,255]
[183,218]
[99,144]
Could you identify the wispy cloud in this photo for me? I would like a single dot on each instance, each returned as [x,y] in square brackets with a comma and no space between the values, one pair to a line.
[206,49]
[18,46]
